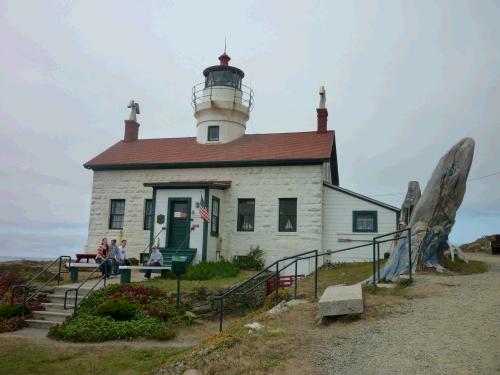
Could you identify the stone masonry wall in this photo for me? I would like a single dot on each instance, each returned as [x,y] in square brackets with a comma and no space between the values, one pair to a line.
[265,184]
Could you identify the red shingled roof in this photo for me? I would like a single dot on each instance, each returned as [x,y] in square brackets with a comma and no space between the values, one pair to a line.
[275,147]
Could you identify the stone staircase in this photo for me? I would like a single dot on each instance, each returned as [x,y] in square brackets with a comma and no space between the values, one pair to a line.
[54,312]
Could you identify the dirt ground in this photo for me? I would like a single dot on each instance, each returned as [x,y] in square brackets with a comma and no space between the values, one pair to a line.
[455,329]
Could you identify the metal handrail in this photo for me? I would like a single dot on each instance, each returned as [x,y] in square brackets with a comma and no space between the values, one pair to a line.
[274,264]
[376,258]
[150,243]
[26,287]
[237,286]
[246,94]
[305,256]
[77,289]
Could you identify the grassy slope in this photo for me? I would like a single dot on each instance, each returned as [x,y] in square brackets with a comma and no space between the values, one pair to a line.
[29,268]
[344,273]
[462,268]
[215,284]
[20,356]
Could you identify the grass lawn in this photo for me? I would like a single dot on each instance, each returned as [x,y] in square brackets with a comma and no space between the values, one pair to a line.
[21,356]
[462,268]
[214,284]
[342,273]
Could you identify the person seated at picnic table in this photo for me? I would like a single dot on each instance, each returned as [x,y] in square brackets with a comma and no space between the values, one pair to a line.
[122,254]
[155,260]
[102,255]
[114,255]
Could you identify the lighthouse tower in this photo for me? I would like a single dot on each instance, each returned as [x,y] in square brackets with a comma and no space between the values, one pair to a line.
[222,104]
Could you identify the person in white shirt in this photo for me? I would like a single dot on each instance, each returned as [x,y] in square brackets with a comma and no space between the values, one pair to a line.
[122,254]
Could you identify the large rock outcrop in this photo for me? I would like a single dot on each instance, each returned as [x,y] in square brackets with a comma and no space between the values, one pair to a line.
[434,214]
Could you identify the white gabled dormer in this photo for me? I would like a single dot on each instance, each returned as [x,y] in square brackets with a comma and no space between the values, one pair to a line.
[222,104]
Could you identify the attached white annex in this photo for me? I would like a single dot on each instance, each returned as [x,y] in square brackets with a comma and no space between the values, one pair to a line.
[224,191]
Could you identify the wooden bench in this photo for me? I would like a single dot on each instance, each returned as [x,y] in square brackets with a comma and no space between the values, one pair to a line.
[87,256]
[126,271]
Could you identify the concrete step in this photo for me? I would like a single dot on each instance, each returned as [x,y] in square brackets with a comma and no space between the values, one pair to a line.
[59,298]
[62,289]
[44,324]
[52,316]
[58,307]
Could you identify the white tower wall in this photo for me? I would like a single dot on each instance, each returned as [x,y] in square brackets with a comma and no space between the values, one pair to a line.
[224,107]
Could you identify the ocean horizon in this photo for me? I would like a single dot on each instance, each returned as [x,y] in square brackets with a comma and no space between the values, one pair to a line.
[13,258]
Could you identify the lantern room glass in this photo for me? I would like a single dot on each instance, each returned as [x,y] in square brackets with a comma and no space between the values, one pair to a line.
[223,78]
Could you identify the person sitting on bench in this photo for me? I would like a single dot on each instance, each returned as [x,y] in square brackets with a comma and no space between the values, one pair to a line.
[155,259]
[122,254]
[114,255]
[102,255]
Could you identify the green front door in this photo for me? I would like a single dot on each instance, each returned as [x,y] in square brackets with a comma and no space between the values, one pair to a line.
[179,222]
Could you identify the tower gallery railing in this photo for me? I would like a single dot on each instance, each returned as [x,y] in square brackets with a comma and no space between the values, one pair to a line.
[201,94]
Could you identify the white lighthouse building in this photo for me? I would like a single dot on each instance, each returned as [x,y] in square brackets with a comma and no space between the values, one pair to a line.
[223,191]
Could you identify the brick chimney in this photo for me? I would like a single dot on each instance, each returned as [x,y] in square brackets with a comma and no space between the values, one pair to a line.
[131,131]
[322,120]
[322,111]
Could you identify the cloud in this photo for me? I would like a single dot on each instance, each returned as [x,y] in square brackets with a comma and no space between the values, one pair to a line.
[404,81]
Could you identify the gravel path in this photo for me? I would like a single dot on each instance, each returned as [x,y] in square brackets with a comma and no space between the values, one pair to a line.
[456,331]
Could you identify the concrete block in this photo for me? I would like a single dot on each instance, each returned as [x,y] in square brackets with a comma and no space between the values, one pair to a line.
[341,300]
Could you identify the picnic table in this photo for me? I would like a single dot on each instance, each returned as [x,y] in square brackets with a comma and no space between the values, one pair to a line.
[88,256]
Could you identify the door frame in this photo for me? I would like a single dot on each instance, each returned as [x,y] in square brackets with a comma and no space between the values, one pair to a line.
[169,228]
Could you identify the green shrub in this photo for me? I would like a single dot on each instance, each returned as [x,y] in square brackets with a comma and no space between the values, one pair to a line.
[254,260]
[11,311]
[118,309]
[211,270]
[167,312]
[119,312]
[91,328]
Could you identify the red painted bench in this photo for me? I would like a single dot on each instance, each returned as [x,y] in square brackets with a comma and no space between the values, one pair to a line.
[284,282]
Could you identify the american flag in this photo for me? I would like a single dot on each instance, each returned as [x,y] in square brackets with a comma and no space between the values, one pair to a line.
[204,210]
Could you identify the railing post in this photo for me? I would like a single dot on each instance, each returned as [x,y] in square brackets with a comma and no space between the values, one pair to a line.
[76,300]
[277,283]
[374,268]
[315,274]
[221,313]
[59,273]
[378,261]
[295,282]
[409,255]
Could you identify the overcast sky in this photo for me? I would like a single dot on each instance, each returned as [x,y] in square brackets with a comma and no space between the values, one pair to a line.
[405,81]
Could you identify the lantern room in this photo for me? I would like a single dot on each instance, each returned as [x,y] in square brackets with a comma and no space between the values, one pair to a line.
[223,74]
[222,103]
